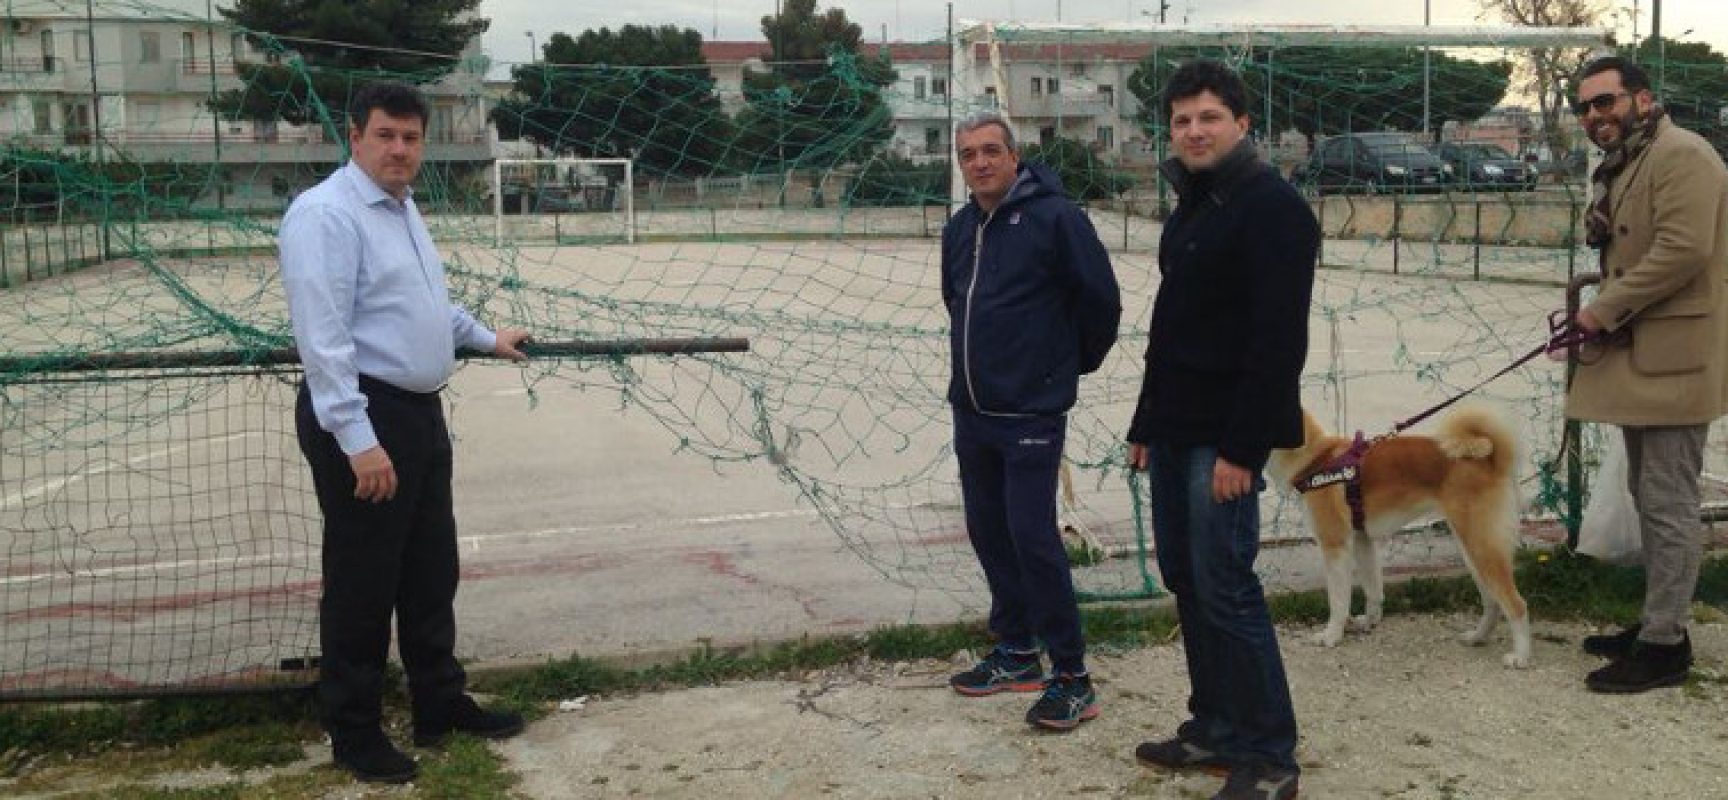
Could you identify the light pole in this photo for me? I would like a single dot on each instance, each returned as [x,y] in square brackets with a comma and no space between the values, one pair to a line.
[1427,69]
[1662,63]
[533,51]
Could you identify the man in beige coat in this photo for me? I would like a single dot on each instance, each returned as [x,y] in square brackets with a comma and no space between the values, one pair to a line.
[1659,218]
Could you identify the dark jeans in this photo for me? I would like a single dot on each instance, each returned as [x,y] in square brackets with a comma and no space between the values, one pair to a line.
[396,556]
[1239,696]
[1008,469]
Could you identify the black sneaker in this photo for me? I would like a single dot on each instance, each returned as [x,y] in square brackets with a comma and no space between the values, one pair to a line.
[466,716]
[1647,666]
[1177,753]
[1612,645]
[1068,701]
[1259,782]
[372,758]
[1000,671]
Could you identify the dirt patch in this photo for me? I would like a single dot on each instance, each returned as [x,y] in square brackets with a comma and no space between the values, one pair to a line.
[1405,712]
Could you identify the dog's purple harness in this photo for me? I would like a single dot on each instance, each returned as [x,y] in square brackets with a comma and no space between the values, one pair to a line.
[1345,469]
[1563,334]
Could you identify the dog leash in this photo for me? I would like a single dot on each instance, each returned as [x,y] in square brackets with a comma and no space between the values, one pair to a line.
[1563,334]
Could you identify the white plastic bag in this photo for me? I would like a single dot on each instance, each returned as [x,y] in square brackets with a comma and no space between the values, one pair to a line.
[1609,530]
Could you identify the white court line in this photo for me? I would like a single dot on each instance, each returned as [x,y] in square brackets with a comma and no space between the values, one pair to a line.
[9,502]
[473,542]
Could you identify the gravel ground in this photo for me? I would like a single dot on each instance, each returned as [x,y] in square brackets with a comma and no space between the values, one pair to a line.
[1403,712]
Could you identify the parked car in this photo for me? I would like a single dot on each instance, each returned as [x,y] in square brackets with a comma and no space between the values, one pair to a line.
[1372,163]
[1480,166]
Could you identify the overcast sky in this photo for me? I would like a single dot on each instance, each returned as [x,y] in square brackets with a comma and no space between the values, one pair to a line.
[919,20]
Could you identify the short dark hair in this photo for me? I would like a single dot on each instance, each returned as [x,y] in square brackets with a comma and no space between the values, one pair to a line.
[1633,78]
[395,99]
[1207,75]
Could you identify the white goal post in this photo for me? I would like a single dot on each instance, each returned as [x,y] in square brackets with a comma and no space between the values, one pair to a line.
[557,185]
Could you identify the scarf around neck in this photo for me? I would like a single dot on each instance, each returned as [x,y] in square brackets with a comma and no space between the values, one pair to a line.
[1598,224]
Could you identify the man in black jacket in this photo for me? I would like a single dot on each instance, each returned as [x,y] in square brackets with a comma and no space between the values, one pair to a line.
[1223,366]
[1034,306]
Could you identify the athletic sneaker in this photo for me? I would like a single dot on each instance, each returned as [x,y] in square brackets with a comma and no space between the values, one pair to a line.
[1067,702]
[1001,671]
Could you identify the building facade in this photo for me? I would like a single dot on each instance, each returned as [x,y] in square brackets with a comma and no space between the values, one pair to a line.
[1074,91]
[141,88]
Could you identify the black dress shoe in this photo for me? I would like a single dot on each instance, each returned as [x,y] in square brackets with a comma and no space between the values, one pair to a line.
[1648,666]
[1612,645]
[466,716]
[372,758]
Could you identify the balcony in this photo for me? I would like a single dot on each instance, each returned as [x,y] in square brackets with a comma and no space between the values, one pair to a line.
[1080,104]
[33,74]
[288,146]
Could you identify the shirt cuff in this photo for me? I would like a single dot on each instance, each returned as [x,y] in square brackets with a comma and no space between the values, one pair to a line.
[356,437]
[484,340]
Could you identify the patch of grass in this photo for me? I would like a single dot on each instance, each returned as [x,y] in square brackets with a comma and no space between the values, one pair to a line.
[1128,626]
[466,770]
[1562,585]
[266,720]
[909,642]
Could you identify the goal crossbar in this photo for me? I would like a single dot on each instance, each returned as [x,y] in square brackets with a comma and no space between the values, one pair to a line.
[1260,35]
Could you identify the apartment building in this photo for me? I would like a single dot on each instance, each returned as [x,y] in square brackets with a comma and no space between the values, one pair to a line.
[140,87]
[1075,91]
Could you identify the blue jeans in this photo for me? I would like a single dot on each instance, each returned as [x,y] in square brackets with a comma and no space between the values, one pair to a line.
[1008,469]
[1239,696]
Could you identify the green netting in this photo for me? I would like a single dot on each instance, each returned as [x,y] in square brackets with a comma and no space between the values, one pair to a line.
[158,526]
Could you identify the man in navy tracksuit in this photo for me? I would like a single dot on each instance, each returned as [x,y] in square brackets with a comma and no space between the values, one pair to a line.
[1034,306]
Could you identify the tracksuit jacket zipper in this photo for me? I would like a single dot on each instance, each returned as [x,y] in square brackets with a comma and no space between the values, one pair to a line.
[971,289]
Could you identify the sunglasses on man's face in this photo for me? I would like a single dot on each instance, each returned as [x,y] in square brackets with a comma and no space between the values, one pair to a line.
[1603,103]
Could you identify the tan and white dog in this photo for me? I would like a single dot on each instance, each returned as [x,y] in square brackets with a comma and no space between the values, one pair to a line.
[1466,473]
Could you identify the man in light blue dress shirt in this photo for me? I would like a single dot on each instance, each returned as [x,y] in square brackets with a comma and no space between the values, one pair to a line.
[377,335]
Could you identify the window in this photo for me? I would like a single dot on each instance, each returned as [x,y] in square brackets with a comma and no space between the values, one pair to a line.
[990,92]
[1107,93]
[1053,86]
[1106,137]
[42,109]
[149,47]
[1046,136]
[443,124]
[264,130]
[1037,87]
[188,51]
[918,88]
[47,51]
[932,140]
[81,46]
[237,45]
[939,87]
[77,121]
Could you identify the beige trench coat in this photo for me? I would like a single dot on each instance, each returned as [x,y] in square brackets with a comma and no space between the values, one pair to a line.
[1663,292]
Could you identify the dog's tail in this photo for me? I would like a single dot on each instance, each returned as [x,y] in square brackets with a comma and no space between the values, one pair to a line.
[1478,433]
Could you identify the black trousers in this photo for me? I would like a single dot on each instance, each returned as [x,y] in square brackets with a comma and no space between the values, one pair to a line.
[396,556]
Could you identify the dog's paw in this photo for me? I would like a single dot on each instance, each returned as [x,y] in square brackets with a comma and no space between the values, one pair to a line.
[1515,660]
[1364,622]
[1329,637]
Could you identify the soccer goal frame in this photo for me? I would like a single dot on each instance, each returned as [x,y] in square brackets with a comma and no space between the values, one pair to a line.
[563,170]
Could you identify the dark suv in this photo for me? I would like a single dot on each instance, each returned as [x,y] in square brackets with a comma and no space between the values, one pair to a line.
[1372,163]
[1480,166]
